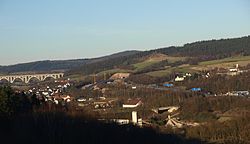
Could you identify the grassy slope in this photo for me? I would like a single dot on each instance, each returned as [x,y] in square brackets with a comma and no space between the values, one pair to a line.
[112,71]
[147,62]
[140,66]
[161,73]
[227,60]
[167,71]
[222,63]
[155,59]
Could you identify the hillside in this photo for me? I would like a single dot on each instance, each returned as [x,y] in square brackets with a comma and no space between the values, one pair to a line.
[213,49]
[42,66]
[191,53]
[140,62]
[58,65]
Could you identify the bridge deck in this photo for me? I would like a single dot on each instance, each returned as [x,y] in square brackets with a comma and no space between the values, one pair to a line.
[27,77]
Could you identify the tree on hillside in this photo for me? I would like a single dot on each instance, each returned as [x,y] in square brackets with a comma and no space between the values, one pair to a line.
[12,103]
[6,98]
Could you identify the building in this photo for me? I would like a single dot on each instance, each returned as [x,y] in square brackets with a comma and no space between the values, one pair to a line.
[120,121]
[134,117]
[236,69]
[179,79]
[132,103]
[238,93]
[101,104]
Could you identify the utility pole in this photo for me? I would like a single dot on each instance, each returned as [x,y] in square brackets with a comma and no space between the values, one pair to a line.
[104,76]
[94,78]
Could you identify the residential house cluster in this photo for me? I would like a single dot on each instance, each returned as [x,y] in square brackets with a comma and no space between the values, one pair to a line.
[53,95]
[96,103]
[238,93]
[179,78]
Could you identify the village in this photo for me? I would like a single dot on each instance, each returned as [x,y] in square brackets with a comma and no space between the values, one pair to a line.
[117,101]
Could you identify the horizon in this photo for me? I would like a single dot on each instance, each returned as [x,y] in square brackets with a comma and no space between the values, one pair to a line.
[119,52]
[35,31]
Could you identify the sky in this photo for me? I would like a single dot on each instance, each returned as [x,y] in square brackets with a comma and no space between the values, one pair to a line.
[32,30]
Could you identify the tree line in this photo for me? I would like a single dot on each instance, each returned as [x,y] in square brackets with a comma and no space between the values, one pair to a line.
[197,51]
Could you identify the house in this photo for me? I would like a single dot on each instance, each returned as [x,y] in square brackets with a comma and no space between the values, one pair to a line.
[207,75]
[188,74]
[179,79]
[81,99]
[101,104]
[236,69]
[104,103]
[233,70]
[121,121]
[238,93]
[66,98]
[132,103]
[45,93]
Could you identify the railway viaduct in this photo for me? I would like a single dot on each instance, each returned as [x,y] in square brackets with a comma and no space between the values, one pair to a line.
[27,77]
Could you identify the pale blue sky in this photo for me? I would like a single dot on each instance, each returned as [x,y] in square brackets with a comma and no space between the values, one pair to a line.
[33,30]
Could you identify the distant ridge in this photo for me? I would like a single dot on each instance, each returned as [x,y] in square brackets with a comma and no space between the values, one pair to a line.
[57,65]
[200,51]
[196,52]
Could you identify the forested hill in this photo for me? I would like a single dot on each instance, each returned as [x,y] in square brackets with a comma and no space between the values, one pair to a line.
[200,51]
[40,66]
[197,51]
[213,48]
[58,65]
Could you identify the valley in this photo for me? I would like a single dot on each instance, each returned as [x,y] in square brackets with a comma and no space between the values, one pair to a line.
[194,97]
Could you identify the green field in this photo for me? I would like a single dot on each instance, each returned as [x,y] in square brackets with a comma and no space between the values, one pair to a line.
[141,65]
[226,60]
[76,77]
[154,60]
[222,63]
[112,71]
[168,71]
[206,65]
[160,73]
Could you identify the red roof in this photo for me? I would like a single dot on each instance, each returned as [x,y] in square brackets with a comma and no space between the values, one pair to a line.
[133,101]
